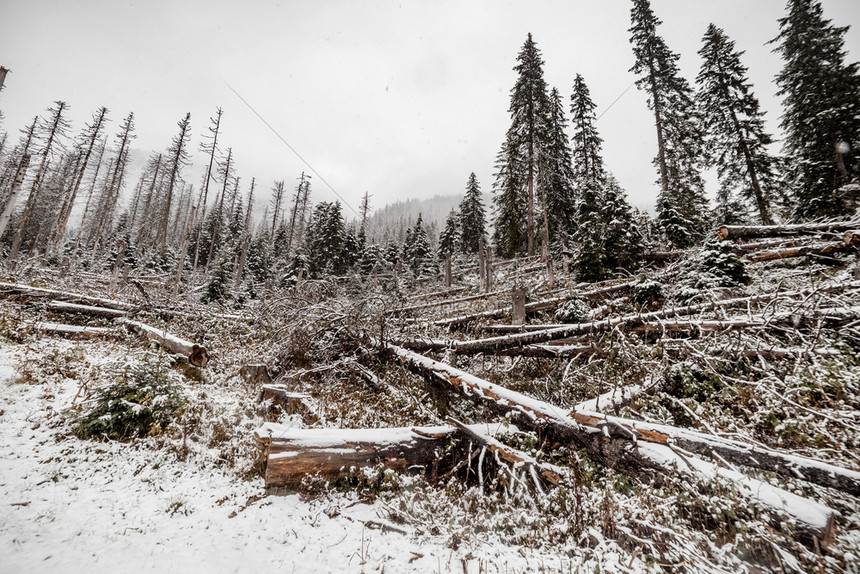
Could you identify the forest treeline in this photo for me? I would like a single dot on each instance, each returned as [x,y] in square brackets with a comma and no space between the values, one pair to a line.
[551,187]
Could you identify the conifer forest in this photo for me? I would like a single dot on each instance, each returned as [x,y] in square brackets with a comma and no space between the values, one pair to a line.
[201,371]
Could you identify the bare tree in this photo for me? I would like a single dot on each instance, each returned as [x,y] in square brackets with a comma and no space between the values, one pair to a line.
[178,154]
[20,172]
[57,126]
[211,148]
[90,137]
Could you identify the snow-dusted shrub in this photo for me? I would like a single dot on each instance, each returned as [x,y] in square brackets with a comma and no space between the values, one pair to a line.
[573,311]
[143,400]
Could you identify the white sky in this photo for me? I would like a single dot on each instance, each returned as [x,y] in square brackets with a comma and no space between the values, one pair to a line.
[403,99]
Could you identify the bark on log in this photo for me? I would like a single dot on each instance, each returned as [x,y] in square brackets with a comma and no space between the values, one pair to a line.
[65,307]
[599,436]
[754,231]
[294,454]
[197,354]
[784,464]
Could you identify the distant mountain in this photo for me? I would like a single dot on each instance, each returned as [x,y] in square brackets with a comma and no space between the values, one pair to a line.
[390,223]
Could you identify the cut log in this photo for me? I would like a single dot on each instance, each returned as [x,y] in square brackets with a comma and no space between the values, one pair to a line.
[755,231]
[71,331]
[599,435]
[280,400]
[333,454]
[197,354]
[800,251]
[65,307]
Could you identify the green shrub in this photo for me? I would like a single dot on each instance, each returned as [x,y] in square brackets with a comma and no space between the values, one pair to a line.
[141,401]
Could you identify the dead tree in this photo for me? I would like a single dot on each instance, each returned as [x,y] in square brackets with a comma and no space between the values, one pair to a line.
[212,147]
[178,154]
[58,126]
[94,131]
[754,231]
[18,181]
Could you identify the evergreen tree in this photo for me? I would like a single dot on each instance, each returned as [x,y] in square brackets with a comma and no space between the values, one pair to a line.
[419,256]
[557,175]
[733,124]
[622,243]
[589,259]
[525,144]
[324,240]
[450,240]
[509,200]
[681,205]
[587,144]
[822,110]
[471,219]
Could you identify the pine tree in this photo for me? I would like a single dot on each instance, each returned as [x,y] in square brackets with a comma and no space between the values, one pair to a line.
[822,110]
[518,163]
[733,124]
[471,218]
[681,203]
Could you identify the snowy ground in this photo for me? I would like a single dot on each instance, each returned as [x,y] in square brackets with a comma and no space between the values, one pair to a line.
[70,505]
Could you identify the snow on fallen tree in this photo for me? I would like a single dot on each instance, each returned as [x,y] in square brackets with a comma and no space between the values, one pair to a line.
[495,344]
[617,443]
[755,231]
[71,331]
[29,291]
[65,307]
[197,354]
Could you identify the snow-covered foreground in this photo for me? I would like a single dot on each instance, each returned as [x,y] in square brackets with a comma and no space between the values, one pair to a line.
[70,505]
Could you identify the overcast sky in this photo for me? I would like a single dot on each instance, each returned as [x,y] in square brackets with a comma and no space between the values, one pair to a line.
[402,99]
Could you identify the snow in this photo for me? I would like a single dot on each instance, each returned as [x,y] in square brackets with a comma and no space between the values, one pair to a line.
[85,506]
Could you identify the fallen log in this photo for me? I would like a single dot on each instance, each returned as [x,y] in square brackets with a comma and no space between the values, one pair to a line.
[444,302]
[71,331]
[65,307]
[494,344]
[613,444]
[755,231]
[516,458]
[535,306]
[197,354]
[800,251]
[333,454]
[754,456]
[29,291]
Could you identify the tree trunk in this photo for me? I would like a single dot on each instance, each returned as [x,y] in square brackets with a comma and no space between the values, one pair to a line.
[197,355]
[755,231]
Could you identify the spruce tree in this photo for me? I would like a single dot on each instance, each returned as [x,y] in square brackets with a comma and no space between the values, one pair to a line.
[509,201]
[821,120]
[471,218]
[734,130]
[525,142]
[622,242]
[556,173]
[682,212]
[450,240]
[587,144]
[324,240]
